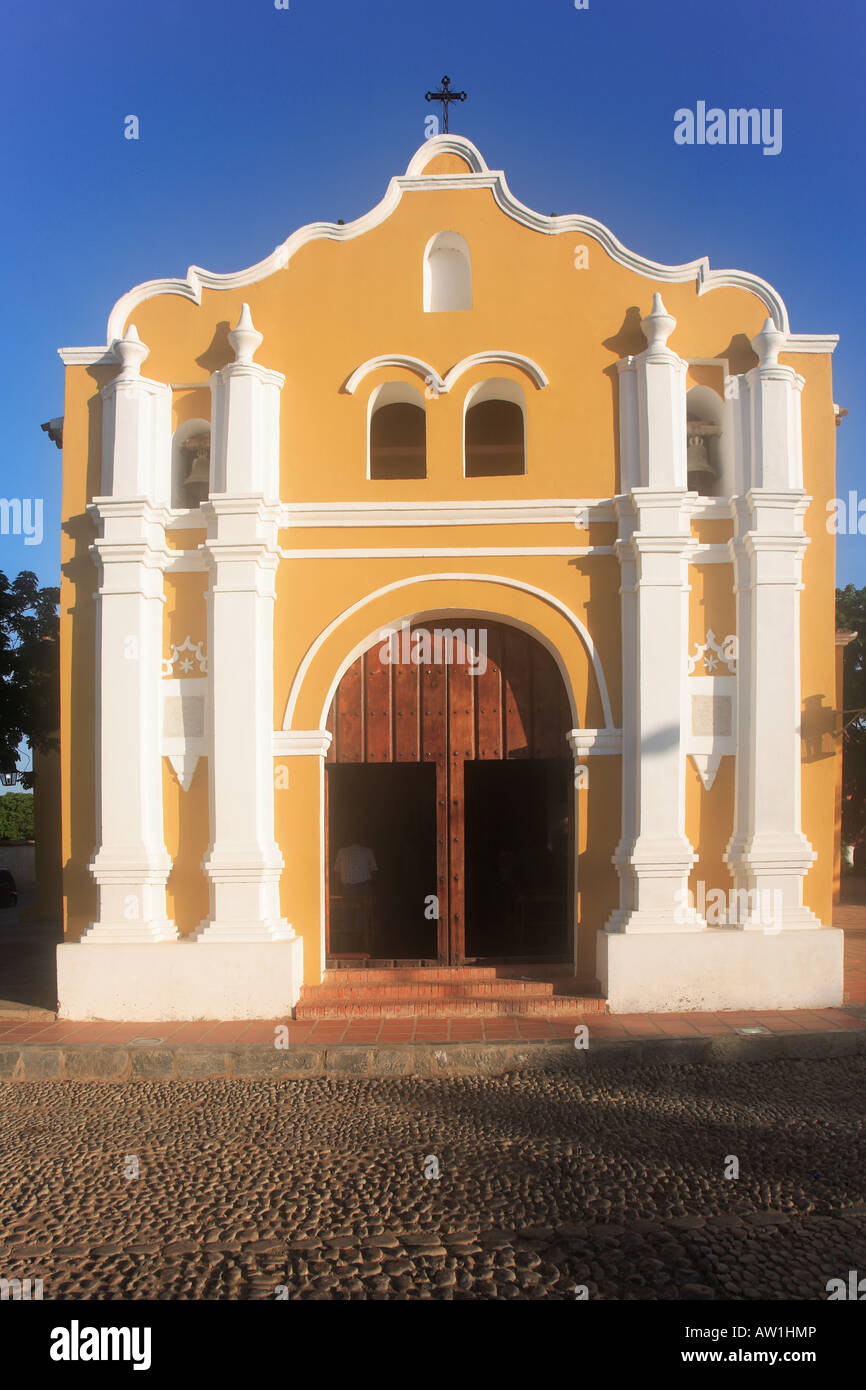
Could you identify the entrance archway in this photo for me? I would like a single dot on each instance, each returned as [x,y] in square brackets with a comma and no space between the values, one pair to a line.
[450,770]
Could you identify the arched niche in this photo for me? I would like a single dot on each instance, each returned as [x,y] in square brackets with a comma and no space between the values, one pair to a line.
[494,429]
[447,274]
[396,432]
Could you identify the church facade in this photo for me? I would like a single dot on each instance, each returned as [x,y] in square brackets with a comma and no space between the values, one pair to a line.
[450,589]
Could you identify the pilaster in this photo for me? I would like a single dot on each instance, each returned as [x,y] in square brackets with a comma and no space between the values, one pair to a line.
[243,862]
[131,865]
[653,858]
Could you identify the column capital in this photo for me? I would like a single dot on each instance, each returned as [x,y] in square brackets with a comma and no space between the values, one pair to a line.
[237,371]
[253,504]
[104,509]
[584,742]
[302,742]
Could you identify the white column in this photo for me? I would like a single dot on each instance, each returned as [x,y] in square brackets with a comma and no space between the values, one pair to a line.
[653,858]
[131,865]
[768,855]
[243,862]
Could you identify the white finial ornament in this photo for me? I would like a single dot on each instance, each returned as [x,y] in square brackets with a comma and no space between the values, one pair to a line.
[768,344]
[131,351]
[245,339]
[658,324]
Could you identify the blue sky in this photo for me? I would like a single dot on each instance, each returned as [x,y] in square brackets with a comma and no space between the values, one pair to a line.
[254,121]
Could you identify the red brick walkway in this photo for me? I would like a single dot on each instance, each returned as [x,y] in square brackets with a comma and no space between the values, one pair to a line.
[432,1030]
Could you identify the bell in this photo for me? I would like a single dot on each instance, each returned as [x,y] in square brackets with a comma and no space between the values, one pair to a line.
[698,455]
[197,481]
[701,475]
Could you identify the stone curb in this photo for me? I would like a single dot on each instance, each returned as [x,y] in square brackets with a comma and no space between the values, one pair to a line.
[121,1062]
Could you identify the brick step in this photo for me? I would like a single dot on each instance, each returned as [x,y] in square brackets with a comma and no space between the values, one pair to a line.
[329,992]
[516,970]
[558,983]
[434,974]
[478,1006]
[562,976]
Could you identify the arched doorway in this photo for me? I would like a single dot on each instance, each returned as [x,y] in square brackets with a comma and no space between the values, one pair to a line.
[450,770]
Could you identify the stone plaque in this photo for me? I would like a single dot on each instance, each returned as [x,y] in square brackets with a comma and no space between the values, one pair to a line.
[184,716]
[711,715]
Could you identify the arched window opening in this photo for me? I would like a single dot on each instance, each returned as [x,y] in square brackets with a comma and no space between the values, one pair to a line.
[703,441]
[447,274]
[398,433]
[190,464]
[495,433]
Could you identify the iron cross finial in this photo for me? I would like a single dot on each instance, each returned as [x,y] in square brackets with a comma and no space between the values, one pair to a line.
[445,96]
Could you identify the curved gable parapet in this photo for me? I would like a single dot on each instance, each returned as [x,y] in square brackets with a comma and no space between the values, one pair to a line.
[416,179]
[447,144]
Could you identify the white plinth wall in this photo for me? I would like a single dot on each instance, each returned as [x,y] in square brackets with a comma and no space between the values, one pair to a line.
[245,961]
[657,954]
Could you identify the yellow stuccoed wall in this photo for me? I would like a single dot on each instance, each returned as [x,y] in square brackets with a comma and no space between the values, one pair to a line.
[818,629]
[337,304]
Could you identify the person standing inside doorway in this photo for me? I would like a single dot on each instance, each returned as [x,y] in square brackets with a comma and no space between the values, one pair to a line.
[356,864]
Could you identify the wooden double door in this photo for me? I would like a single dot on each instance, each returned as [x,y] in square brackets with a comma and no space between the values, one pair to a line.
[456,774]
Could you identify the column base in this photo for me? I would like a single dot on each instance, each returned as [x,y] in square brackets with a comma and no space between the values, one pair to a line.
[174,980]
[268,929]
[788,919]
[129,933]
[720,968]
[635,920]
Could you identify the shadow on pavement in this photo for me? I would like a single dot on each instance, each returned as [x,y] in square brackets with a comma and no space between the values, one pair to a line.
[28,960]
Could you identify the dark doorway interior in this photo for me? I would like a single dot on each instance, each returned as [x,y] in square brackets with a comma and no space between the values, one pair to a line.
[517,838]
[391,809]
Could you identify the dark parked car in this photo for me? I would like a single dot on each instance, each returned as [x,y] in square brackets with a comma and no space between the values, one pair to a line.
[8,891]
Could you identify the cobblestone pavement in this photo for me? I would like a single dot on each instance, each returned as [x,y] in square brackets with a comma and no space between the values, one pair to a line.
[548,1181]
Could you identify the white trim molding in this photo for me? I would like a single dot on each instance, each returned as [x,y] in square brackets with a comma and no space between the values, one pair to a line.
[441,385]
[506,581]
[811,342]
[579,512]
[425,552]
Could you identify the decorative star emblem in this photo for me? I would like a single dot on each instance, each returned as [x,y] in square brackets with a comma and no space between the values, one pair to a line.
[711,661]
[186,664]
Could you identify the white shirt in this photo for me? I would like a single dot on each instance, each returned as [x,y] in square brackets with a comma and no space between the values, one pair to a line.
[355,864]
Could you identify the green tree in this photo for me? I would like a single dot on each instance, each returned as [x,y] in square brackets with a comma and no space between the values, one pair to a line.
[29,668]
[851,616]
[16,816]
